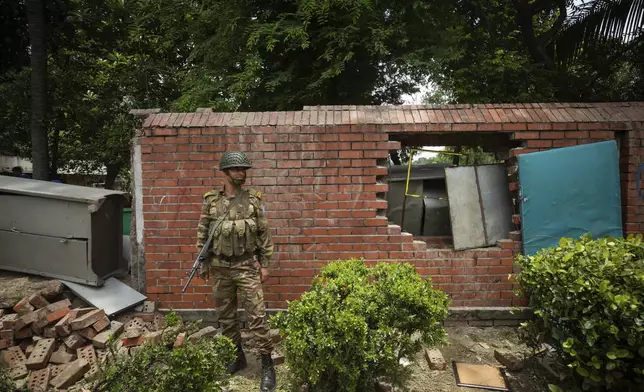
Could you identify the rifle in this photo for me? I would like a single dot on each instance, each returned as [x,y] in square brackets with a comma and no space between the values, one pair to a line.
[203,253]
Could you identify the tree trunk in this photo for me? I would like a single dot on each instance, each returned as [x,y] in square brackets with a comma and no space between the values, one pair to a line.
[55,141]
[456,159]
[112,172]
[535,48]
[38,41]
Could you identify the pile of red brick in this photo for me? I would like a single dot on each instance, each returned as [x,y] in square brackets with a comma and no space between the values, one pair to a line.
[43,343]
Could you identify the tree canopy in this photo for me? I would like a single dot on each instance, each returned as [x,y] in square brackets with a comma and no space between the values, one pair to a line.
[104,57]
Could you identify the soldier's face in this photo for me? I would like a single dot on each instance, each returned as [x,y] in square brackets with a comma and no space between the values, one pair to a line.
[237,175]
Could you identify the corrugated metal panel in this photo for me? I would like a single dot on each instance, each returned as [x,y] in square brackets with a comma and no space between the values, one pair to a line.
[480,205]
[496,201]
[53,190]
[436,218]
[414,209]
[418,172]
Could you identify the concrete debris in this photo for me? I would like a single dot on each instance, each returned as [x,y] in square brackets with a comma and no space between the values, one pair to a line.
[278,357]
[509,360]
[203,333]
[435,359]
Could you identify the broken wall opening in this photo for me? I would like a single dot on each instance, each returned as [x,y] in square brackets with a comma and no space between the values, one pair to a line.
[459,199]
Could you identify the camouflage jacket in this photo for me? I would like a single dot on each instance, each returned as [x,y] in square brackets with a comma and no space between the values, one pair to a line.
[242,233]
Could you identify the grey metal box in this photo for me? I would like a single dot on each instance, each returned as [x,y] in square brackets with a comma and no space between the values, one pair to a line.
[61,231]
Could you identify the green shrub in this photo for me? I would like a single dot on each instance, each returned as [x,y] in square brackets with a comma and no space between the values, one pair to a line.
[194,367]
[587,296]
[356,322]
[6,384]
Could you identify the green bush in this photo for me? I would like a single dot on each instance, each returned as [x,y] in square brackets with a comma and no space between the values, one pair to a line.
[587,296]
[194,367]
[6,384]
[355,324]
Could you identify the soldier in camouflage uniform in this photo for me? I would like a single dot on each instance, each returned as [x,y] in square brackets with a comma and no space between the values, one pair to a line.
[240,254]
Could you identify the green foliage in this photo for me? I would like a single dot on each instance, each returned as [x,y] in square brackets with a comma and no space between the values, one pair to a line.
[5,382]
[282,55]
[470,156]
[194,367]
[356,322]
[106,57]
[14,119]
[483,58]
[6,385]
[588,299]
[487,56]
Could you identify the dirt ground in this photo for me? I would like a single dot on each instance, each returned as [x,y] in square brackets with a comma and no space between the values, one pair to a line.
[14,286]
[466,344]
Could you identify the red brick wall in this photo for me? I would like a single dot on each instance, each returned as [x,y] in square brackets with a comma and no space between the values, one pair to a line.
[325,197]
[631,158]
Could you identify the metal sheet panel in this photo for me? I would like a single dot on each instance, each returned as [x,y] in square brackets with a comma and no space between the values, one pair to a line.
[496,202]
[431,171]
[414,209]
[436,217]
[49,217]
[53,190]
[480,205]
[567,192]
[113,297]
[106,247]
[465,207]
[46,256]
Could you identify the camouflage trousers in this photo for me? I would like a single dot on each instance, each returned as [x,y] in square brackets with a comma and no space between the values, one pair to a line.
[245,278]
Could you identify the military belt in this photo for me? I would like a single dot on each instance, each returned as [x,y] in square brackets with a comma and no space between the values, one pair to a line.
[235,259]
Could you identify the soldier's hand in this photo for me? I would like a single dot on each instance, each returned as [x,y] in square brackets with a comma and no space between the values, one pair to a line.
[204,273]
[264,274]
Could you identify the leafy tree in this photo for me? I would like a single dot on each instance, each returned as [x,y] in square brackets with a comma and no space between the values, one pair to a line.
[281,55]
[591,24]
[468,156]
[119,57]
[524,51]
[104,59]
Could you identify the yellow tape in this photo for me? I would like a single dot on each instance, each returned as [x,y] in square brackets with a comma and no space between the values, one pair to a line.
[411,158]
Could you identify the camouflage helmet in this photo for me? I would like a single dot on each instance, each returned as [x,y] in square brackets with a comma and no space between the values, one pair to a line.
[234,159]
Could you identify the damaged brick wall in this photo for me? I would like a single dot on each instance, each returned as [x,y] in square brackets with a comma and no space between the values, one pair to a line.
[323,174]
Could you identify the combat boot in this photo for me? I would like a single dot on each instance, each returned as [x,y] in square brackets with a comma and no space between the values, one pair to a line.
[268,374]
[239,363]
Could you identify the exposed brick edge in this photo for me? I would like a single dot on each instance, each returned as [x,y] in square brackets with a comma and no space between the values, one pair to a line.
[484,105]
[446,117]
